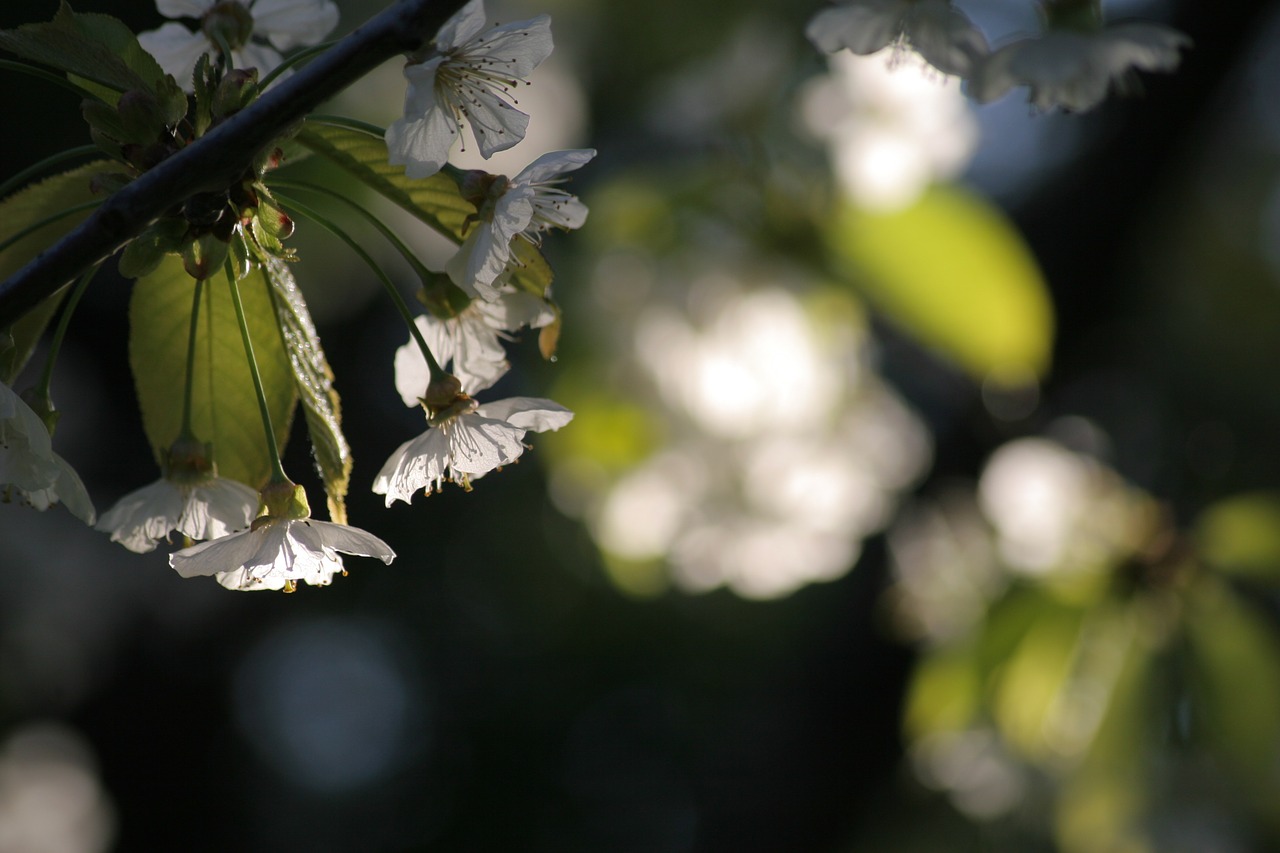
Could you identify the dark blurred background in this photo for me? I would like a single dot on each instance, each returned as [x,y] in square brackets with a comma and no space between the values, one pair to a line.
[504,686]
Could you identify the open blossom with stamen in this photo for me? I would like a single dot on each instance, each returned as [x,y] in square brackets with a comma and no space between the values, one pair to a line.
[524,206]
[468,80]
[255,30]
[1073,69]
[471,341]
[204,509]
[938,31]
[465,441]
[29,469]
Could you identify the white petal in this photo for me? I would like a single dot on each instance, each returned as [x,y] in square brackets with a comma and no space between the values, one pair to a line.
[553,164]
[421,145]
[516,309]
[72,493]
[528,413]
[292,22]
[344,538]
[259,56]
[412,374]
[226,554]
[945,37]
[480,261]
[479,359]
[418,464]
[495,124]
[143,517]
[520,46]
[176,49]
[216,508]
[464,24]
[862,26]
[184,8]
[477,444]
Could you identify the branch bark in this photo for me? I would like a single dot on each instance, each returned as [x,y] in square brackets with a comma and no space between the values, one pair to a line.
[220,156]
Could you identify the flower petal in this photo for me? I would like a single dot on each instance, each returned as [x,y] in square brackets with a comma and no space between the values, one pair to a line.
[528,413]
[344,538]
[293,22]
[176,49]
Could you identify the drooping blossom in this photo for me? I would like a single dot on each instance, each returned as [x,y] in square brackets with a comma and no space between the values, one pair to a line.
[471,341]
[255,30]
[467,79]
[204,509]
[942,34]
[465,441]
[29,469]
[524,206]
[1073,69]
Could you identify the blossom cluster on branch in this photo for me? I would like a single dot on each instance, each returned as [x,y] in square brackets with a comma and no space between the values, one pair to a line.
[197,267]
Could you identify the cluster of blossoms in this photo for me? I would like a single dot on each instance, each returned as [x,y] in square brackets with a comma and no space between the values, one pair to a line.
[1071,64]
[266,539]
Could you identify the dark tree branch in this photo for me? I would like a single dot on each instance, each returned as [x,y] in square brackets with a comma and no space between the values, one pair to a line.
[221,156]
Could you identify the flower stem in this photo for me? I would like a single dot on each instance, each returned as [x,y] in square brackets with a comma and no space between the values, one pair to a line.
[46,377]
[45,164]
[300,56]
[185,432]
[437,372]
[277,473]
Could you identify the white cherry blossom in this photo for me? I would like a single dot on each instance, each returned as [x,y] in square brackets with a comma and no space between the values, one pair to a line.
[471,341]
[938,31]
[256,30]
[523,206]
[465,442]
[468,79]
[29,469]
[276,553]
[205,509]
[1074,69]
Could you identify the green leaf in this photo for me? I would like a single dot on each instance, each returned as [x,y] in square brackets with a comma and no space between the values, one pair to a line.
[224,407]
[314,380]
[434,200]
[25,208]
[96,48]
[1236,682]
[1241,536]
[952,272]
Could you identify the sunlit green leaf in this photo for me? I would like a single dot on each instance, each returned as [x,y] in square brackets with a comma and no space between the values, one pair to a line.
[952,271]
[320,403]
[224,408]
[20,210]
[1241,535]
[434,200]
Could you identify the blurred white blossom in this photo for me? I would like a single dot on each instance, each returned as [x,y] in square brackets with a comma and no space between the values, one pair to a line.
[255,31]
[892,127]
[29,469]
[51,800]
[1074,69]
[939,32]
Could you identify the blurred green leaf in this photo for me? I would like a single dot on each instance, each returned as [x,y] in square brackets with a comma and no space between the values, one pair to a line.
[435,200]
[224,408]
[314,379]
[19,211]
[1235,658]
[944,694]
[952,271]
[1241,536]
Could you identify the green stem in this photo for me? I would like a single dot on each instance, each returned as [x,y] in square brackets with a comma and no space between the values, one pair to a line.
[45,164]
[405,252]
[48,220]
[277,473]
[224,51]
[349,123]
[42,390]
[47,76]
[437,372]
[291,61]
[186,432]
